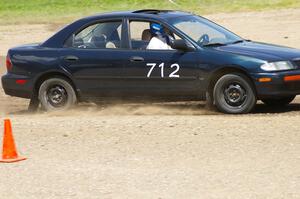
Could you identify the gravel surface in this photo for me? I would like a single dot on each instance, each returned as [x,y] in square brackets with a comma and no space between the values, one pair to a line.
[177,150]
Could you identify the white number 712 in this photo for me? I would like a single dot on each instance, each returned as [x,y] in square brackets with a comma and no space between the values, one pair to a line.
[161,66]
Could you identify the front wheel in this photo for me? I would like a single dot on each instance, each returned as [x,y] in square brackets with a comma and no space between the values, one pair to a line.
[57,94]
[282,101]
[234,94]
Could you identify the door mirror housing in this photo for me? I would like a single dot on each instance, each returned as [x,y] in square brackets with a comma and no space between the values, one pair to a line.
[180,44]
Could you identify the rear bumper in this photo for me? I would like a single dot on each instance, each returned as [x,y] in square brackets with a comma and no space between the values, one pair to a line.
[12,88]
[277,86]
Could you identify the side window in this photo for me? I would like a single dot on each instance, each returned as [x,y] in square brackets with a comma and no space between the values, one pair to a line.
[140,34]
[99,36]
[142,38]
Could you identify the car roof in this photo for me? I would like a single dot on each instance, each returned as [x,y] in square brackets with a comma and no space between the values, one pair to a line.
[146,13]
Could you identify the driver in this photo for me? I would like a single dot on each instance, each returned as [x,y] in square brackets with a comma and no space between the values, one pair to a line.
[160,39]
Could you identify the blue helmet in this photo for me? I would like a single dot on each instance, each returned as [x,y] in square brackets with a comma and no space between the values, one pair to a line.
[156,28]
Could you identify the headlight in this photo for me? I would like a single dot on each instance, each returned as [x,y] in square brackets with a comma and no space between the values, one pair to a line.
[276,66]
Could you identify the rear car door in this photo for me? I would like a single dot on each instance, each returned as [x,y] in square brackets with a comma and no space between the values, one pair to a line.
[159,73]
[95,58]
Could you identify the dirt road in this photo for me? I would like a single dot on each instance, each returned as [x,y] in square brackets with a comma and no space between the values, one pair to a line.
[157,151]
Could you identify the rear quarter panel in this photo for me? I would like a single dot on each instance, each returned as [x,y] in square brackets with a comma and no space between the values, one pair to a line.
[30,63]
[33,61]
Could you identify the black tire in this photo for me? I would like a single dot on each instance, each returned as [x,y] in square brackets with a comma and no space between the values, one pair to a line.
[234,94]
[281,101]
[57,94]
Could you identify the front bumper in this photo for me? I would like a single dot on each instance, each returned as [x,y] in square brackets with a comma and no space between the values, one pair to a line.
[277,86]
[12,88]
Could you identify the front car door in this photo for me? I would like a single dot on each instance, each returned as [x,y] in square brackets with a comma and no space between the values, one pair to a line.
[159,73]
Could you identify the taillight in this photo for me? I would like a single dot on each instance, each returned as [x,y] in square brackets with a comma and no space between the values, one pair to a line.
[8,63]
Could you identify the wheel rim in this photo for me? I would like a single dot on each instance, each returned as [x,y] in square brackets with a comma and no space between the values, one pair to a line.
[235,94]
[57,96]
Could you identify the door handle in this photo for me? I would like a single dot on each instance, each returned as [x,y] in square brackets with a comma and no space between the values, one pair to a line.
[136,59]
[71,58]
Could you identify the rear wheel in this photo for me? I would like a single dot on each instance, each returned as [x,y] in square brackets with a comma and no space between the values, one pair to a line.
[57,94]
[282,101]
[234,94]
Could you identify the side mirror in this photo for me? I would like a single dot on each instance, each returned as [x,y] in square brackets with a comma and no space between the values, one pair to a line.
[180,44]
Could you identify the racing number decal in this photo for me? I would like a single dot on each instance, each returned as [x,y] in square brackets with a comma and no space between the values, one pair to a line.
[177,67]
[151,69]
[161,66]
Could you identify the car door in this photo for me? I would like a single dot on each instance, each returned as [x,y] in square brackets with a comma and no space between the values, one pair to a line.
[95,59]
[159,73]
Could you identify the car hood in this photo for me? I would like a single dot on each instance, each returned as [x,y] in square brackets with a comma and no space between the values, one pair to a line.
[267,52]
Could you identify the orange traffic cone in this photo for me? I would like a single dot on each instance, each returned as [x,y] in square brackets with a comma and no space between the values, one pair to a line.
[10,153]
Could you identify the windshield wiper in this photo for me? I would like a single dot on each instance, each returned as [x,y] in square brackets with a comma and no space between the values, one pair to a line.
[240,41]
[214,44]
[224,44]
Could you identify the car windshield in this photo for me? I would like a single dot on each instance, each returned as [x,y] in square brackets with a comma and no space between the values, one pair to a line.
[204,32]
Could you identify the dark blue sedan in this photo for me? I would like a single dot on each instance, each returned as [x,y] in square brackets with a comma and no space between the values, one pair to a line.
[108,57]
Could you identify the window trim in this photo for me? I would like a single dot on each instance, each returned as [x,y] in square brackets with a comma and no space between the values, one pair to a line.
[125,34]
[174,30]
